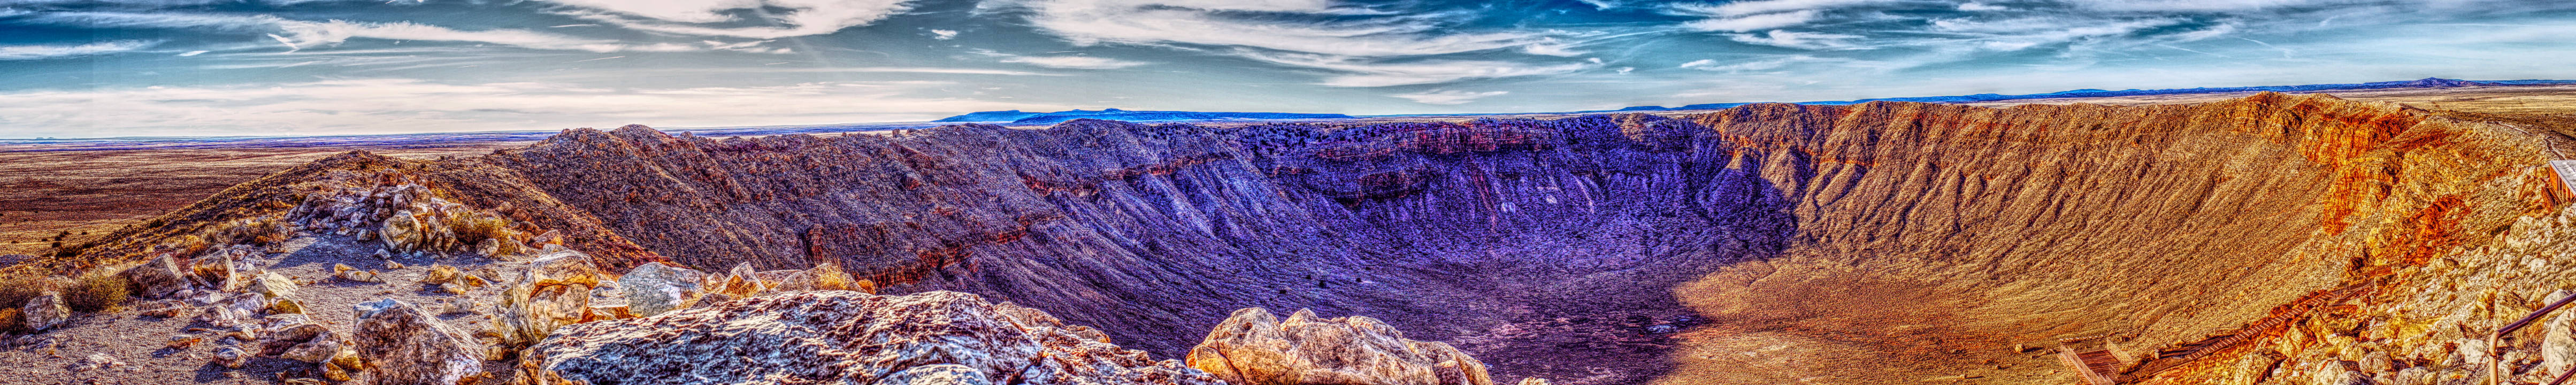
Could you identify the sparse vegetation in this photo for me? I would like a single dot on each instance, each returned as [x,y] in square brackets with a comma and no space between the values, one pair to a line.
[14,292]
[97,291]
[11,320]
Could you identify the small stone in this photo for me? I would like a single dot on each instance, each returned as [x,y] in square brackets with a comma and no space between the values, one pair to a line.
[183,341]
[392,265]
[452,288]
[231,357]
[286,306]
[99,361]
[439,274]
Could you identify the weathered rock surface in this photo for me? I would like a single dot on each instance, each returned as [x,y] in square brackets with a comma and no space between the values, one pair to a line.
[553,291]
[653,288]
[844,337]
[1256,348]
[409,347]
[45,312]
[158,277]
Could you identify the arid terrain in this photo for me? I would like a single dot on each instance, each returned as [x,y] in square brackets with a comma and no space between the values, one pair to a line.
[2222,239]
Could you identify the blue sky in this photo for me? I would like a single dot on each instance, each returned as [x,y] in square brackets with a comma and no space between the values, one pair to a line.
[94,68]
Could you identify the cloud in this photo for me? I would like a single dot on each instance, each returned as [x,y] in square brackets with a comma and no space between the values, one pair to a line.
[1754,22]
[360,106]
[51,51]
[1074,62]
[1794,39]
[1377,73]
[302,34]
[943,34]
[1447,97]
[1981,7]
[801,17]
[1309,26]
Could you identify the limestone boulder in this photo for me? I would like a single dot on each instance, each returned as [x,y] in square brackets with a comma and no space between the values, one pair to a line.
[408,347]
[552,292]
[159,277]
[844,337]
[45,312]
[1253,347]
[654,288]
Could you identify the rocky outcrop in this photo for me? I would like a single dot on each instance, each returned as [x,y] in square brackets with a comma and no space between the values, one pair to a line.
[844,337]
[409,347]
[553,291]
[1256,348]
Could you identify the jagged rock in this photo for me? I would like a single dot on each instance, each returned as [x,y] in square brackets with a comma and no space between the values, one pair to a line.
[273,285]
[231,356]
[552,292]
[1255,348]
[157,278]
[408,347]
[287,334]
[285,306]
[45,312]
[439,274]
[844,337]
[740,282]
[654,288]
[215,271]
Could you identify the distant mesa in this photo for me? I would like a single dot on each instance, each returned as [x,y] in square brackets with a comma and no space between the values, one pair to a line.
[1021,117]
[2094,93]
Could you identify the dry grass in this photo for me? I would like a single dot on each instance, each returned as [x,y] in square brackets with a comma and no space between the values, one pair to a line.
[97,291]
[11,320]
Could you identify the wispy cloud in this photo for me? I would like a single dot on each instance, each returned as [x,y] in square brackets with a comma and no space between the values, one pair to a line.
[1795,39]
[302,34]
[1074,62]
[50,51]
[1448,97]
[1374,73]
[802,17]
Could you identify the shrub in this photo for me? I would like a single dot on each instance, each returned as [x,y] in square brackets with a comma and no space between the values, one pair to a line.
[14,292]
[98,291]
[11,321]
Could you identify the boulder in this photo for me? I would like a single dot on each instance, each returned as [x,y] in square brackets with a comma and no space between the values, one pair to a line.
[654,288]
[552,292]
[273,286]
[289,333]
[844,337]
[408,347]
[215,271]
[157,278]
[1252,347]
[45,312]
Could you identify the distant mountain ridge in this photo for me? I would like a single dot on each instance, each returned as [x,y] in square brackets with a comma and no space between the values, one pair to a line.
[1022,117]
[2091,93]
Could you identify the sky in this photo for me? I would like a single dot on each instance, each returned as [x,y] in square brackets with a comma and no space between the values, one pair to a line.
[108,68]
